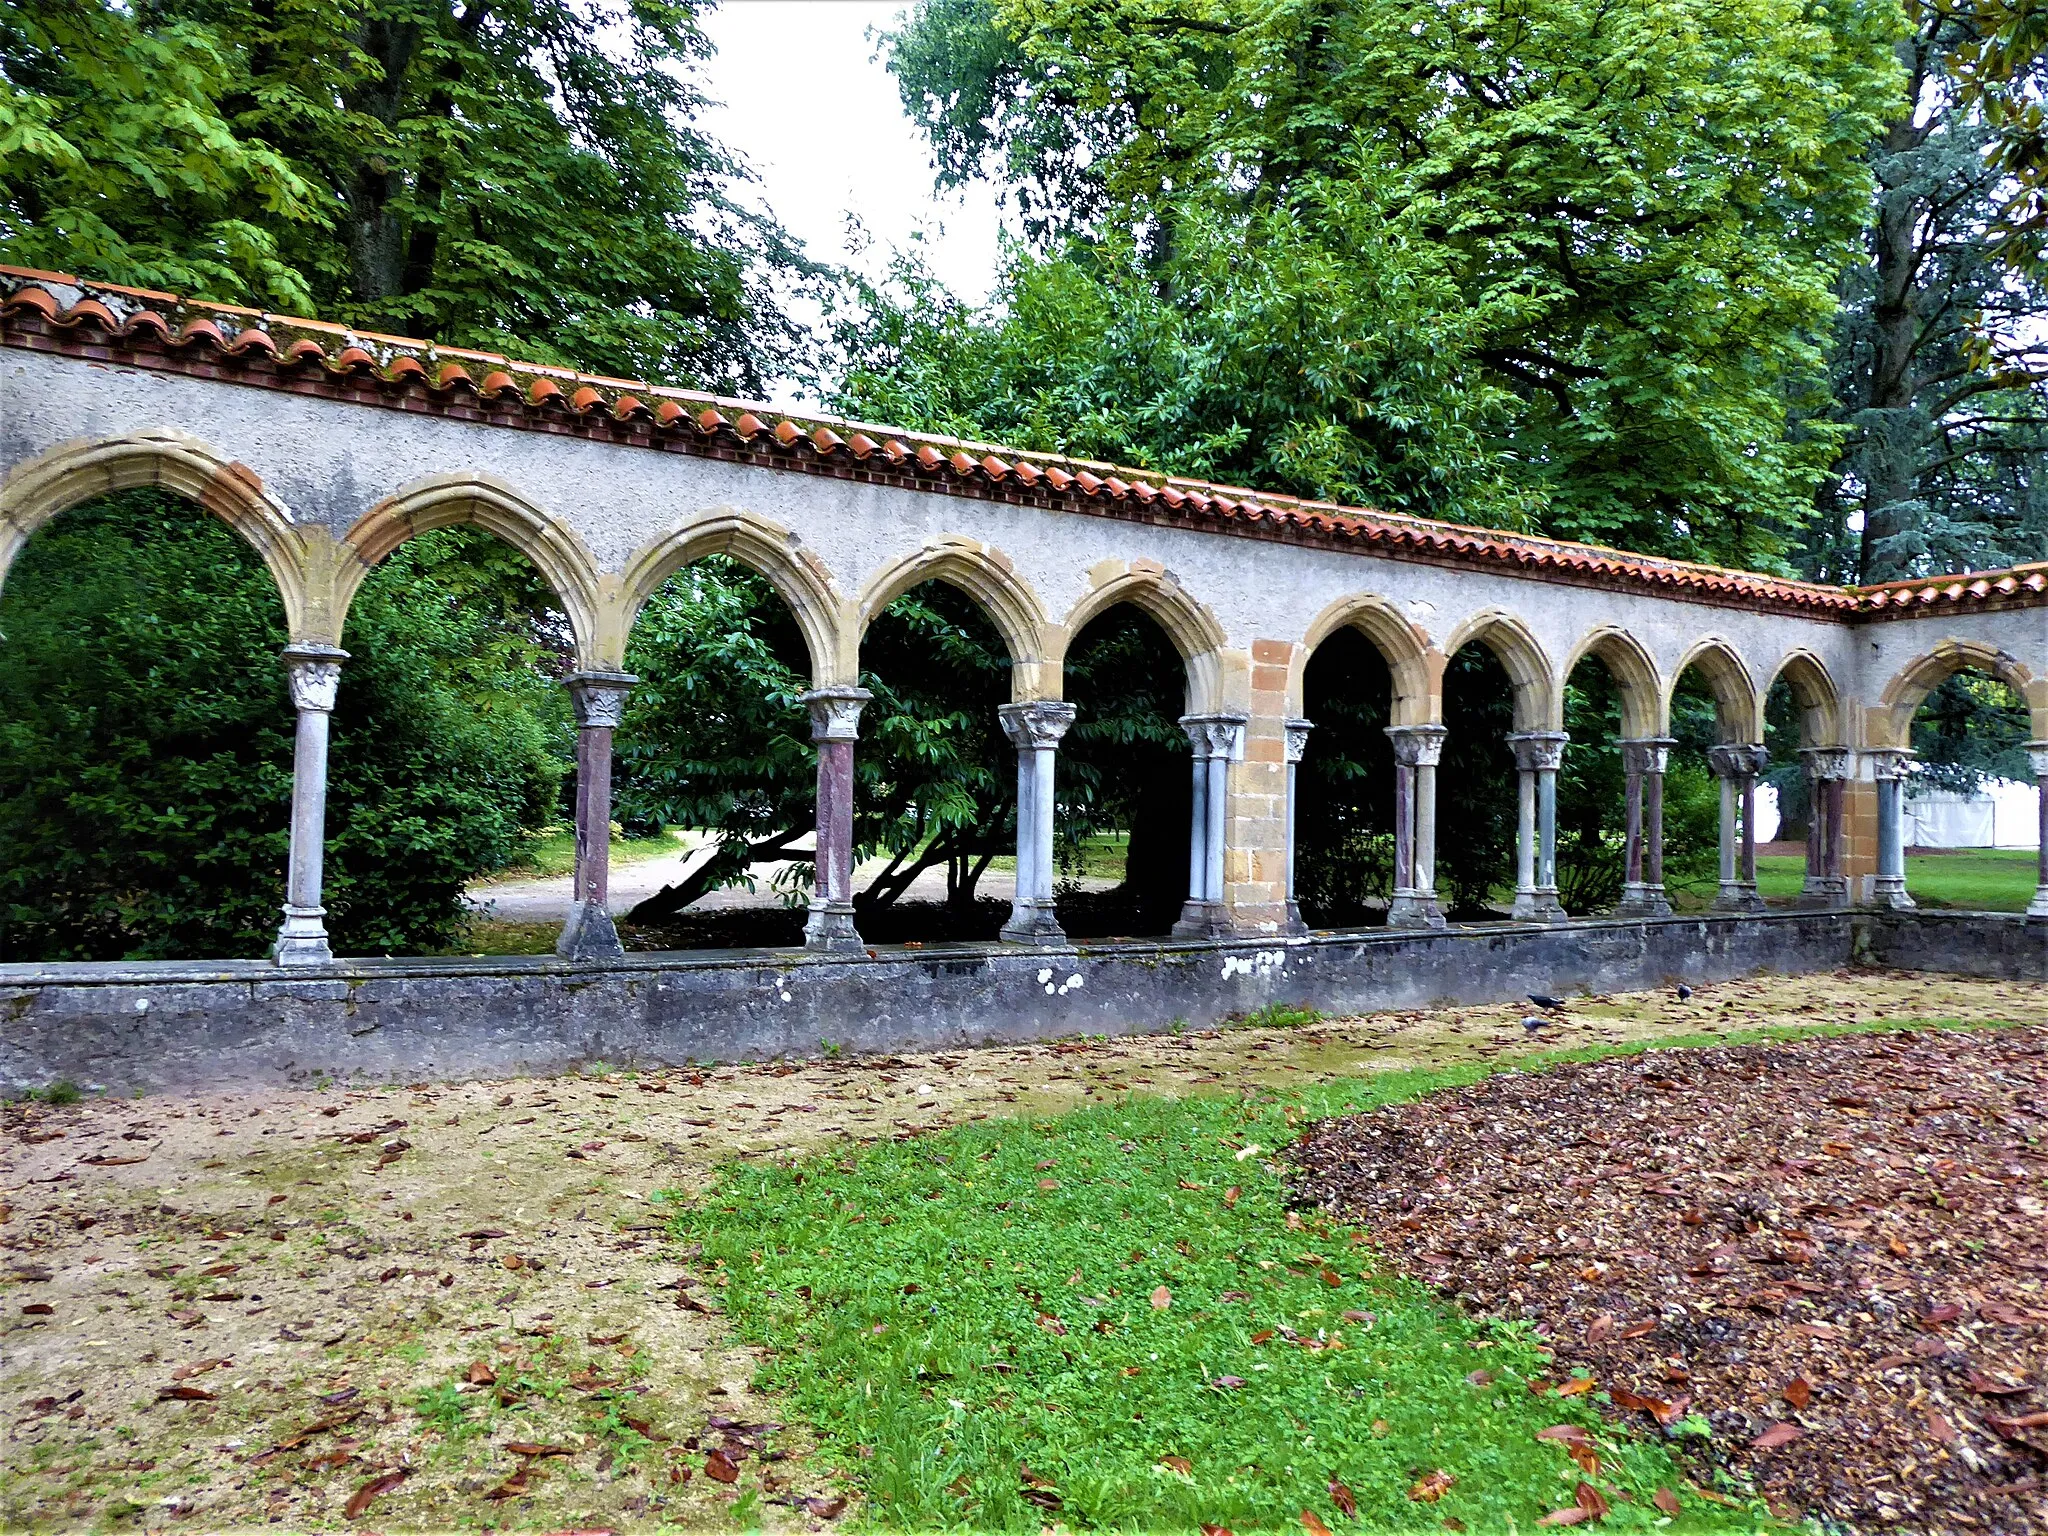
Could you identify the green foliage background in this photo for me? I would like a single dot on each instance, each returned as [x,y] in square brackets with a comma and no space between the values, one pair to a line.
[145,740]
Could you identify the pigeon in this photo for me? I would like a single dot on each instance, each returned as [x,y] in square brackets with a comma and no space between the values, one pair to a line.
[1684,992]
[1534,1024]
[1549,1004]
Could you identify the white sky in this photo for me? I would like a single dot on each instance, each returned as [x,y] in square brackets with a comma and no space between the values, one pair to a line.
[803,99]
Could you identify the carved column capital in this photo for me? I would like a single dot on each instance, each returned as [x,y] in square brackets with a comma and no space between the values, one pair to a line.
[1737,760]
[1216,735]
[1828,762]
[1646,754]
[2037,758]
[1035,723]
[1417,746]
[1887,763]
[600,697]
[835,712]
[315,675]
[1539,751]
[1297,737]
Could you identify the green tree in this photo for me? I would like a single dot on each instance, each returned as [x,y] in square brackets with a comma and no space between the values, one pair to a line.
[1597,240]
[146,741]
[1940,376]
[522,175]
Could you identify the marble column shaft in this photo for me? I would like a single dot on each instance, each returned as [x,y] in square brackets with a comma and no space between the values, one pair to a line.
[1890,767]
[599,699]
[1736,765]
[835,726]
[1644,760]
[1218,741]
[1539,755]
[1827,774]
[1035,728]
[2037,759]
[314,672]
[1296,746]
[1417,751]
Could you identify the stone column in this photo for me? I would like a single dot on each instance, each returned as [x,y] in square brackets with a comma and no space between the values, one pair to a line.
[1218,741]
[1827,774]
[2037,759]
[1297,744]
[1736,765]
[1417,751]
[835,726]
[315,675]
[1538,754]
[1889,766]
[599,699]
[1035,728]
[1644,759]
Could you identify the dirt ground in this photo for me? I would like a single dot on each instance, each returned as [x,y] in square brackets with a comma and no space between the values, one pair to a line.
[456,1306]
[1821,1263]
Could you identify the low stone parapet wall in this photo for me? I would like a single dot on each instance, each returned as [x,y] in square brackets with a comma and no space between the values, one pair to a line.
[167,1025]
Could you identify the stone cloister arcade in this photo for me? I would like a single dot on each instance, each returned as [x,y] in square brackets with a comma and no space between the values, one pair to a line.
[328,449]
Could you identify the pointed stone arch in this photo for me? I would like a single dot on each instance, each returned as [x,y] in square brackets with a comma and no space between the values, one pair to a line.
[1814,692]
[1155,591]
[1909,687]
[67,476]
[1635,678]
[480,501]
[1539,701]
[830,629]
[988,576]
[1735,694]
[1417,667]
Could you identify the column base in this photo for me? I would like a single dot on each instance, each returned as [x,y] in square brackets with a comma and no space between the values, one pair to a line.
[830,930]
[1641,899]
[1823,893]
[1539,906]
[1033,922]
[1889,892]
[1737,897]
[302,938]
[2038,907]
[589,934]
[1204,920]
[1415,909]
[1292,926]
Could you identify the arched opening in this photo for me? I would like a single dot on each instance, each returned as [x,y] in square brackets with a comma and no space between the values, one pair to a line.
[714,776]
[1591,791]
[1971,809]
[1476,787]
[1344,810]
[1794,820]
[145,737]
[937,806]
[452,755]
[1125,797]
[1711,713]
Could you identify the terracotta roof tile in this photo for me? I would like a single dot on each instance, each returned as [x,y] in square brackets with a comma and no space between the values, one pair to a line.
[141,319]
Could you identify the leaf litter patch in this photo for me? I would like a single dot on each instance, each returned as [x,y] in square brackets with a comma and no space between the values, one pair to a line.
[1820,1266]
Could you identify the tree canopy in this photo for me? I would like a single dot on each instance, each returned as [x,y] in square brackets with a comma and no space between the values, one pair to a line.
[507,174]
[1547,261]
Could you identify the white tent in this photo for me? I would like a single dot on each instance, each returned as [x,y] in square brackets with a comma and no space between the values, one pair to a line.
[2001,814]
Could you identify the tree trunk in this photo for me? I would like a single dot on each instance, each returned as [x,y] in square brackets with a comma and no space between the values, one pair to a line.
[1889,432]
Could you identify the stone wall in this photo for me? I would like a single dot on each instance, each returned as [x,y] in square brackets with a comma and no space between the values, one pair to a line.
[159,1026]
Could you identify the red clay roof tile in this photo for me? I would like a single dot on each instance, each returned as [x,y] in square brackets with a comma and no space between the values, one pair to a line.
[133,315]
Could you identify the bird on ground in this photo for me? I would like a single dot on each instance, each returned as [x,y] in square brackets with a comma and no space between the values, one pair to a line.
[1534,1024]
[1548,1004]
[1684,992]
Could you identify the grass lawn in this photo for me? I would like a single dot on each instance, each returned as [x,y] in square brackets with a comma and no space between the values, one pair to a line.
[1978,879]
[1109,1318]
